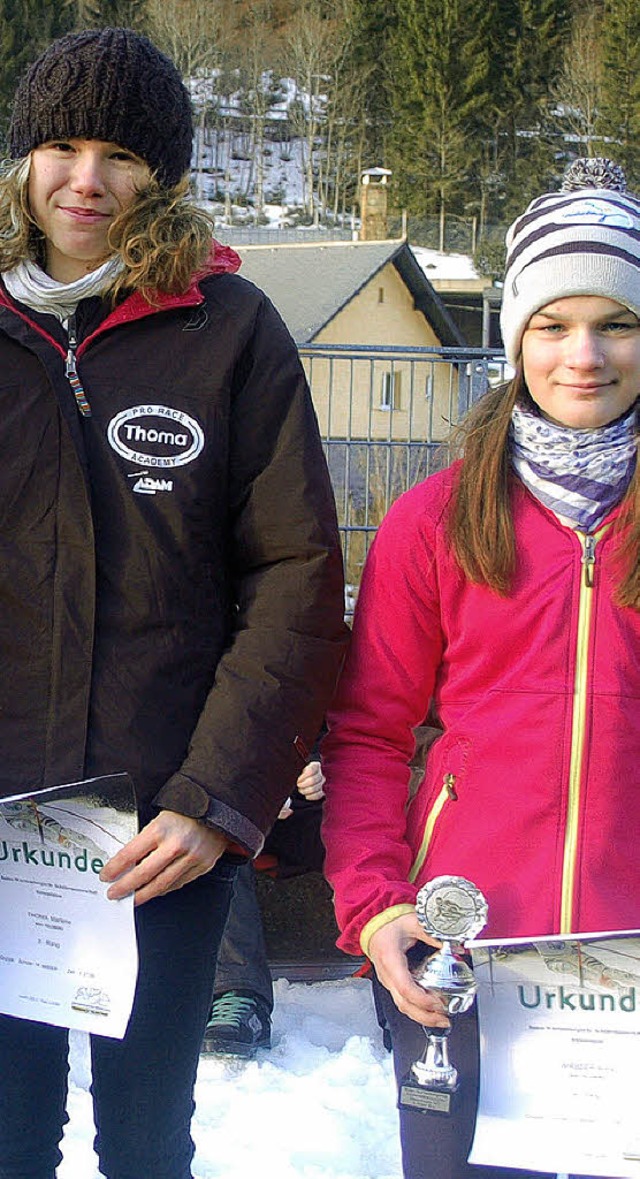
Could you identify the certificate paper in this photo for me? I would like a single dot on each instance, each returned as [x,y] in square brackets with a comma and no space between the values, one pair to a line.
[560,1047]
[68,956]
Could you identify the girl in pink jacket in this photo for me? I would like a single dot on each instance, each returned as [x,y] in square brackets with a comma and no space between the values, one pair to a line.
[501,599]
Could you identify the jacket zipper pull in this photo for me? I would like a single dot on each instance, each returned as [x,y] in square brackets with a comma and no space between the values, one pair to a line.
[449,783]
[71,372]
[589,560]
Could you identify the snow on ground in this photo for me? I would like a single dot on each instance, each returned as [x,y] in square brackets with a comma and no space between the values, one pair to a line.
[319,1105]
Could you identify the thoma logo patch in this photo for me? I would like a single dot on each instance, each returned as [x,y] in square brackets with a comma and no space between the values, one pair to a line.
[155,436]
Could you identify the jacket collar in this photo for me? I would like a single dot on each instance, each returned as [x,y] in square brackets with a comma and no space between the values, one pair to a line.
[222,260]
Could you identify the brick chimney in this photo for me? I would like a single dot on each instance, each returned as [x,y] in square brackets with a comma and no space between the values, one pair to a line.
[373,204]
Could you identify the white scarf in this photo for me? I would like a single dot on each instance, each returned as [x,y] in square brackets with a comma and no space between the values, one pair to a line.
[29,283]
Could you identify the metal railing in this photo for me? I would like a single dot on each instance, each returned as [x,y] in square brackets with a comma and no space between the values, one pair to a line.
[385,416]
[264,235]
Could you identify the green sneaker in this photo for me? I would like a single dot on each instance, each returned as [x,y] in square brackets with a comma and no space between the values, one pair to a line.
[239,1023]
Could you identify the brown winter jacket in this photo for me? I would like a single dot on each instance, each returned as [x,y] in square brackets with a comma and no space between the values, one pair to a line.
[171,598]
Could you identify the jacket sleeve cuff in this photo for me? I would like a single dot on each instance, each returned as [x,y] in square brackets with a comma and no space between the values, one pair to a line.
[379,920]
[189,798]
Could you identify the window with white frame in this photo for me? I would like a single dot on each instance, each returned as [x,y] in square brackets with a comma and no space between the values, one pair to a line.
[390,391]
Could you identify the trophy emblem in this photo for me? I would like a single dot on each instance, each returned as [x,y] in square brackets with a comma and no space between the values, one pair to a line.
[453,910]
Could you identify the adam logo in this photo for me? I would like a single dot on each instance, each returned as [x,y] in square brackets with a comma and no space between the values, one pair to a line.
[155,436]
[147,485]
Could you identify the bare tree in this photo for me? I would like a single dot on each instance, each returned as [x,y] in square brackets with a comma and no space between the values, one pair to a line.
[199,38]
[130,14]
[344,136]
[317,59]
[188,31]
[578,92]
[258,87]
[306,60]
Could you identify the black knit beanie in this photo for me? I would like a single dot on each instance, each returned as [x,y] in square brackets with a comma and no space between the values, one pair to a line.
[109,84]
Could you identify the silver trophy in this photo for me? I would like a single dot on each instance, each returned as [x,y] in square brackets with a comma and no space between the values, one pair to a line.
[453,910]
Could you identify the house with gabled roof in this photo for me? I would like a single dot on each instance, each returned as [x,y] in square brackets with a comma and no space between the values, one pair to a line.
[368,295]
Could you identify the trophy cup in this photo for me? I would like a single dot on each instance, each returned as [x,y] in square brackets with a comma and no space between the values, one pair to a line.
[453,910]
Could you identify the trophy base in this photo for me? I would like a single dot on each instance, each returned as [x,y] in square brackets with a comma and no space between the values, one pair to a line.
[426,1099]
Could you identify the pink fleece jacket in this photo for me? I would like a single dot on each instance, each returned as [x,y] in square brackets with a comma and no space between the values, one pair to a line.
[533,789]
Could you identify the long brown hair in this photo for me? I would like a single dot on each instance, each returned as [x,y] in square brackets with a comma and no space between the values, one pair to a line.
[162,237]
[481,527]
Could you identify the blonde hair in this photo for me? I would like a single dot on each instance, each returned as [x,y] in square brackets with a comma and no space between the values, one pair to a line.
[162,237]
[481,520]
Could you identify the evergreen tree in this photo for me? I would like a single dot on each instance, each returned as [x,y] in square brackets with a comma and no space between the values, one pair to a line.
[537,35]
[518,138]
[488,49]
[498,30]
[619,119]
[371,60]
[436,93]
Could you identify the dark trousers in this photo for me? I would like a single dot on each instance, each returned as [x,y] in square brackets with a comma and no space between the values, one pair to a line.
[142,1085]
[435,1146]
[242,958]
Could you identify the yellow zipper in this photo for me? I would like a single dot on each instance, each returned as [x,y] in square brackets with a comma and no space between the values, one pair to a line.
[578,725]
[447,794]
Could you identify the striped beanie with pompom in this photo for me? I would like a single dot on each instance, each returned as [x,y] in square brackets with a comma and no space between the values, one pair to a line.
[583,240]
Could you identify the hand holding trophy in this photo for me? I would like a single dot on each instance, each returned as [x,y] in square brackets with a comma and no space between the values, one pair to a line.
[453,910]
